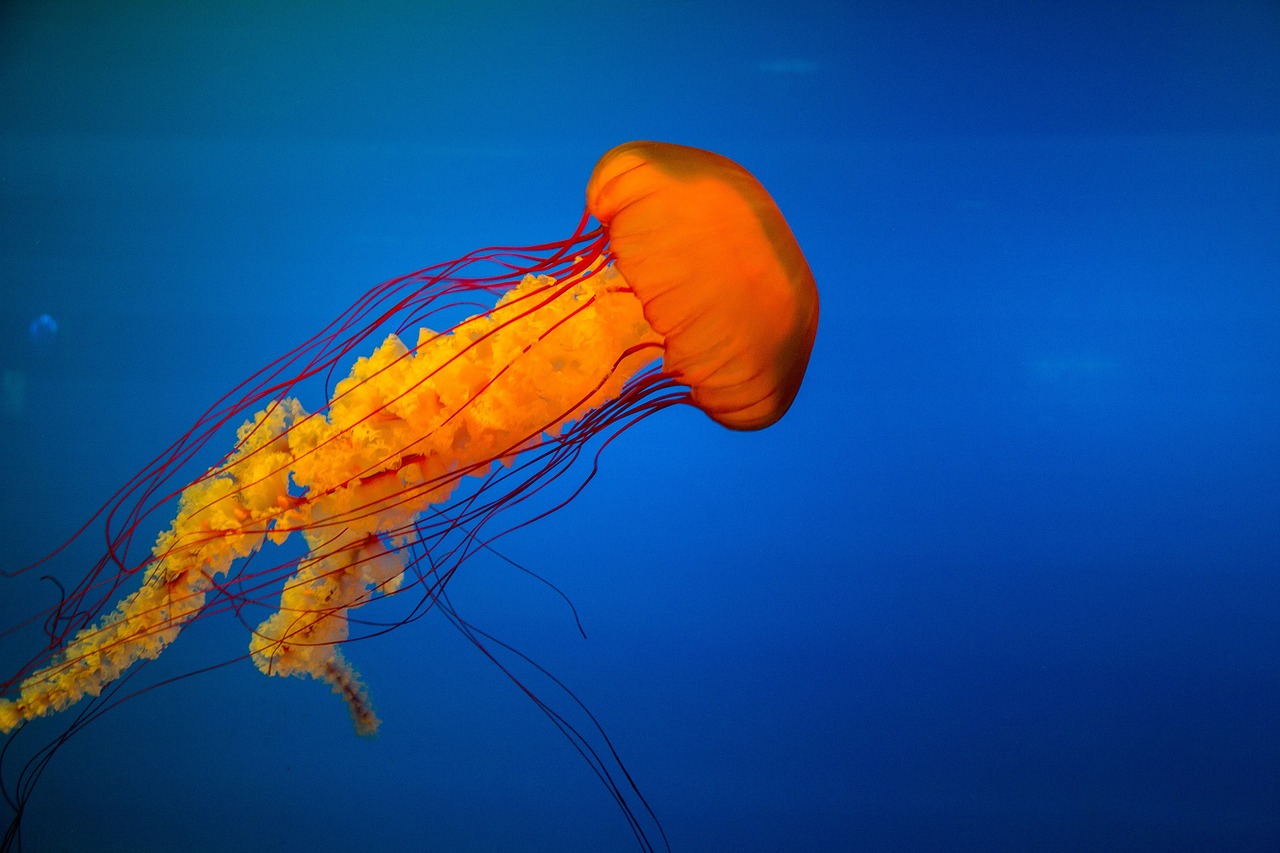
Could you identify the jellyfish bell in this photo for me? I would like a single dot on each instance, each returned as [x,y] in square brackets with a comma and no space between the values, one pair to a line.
[42,330]
[691,291]
[719,272]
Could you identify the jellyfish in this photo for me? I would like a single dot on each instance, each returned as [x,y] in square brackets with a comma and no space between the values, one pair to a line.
[42,330]
[691,290]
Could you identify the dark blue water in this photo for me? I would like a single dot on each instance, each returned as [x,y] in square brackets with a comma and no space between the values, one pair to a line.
[1007,576]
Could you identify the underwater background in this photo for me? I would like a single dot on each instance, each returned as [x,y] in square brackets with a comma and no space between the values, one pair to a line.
[1006,577]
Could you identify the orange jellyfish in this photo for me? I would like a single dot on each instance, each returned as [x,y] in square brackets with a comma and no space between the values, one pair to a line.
[692,290]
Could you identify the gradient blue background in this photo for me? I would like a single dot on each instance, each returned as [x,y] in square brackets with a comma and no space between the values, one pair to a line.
[1007,577]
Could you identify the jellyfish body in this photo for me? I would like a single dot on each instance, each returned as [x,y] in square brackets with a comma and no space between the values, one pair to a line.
[719,272]
[693,265]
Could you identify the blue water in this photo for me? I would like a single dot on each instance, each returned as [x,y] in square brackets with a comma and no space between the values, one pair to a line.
[1007,577]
